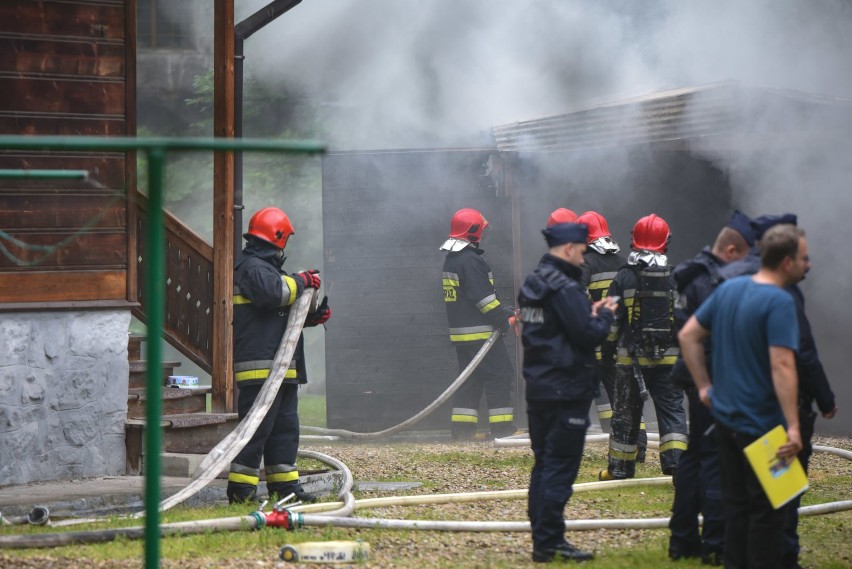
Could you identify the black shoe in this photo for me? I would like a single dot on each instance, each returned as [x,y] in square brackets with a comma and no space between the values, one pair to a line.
[565,552]
[677,554]
[713,558]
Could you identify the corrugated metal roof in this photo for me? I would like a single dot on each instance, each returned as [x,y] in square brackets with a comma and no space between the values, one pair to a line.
[664,116]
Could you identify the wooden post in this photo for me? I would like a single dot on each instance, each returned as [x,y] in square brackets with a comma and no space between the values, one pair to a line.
[223,207]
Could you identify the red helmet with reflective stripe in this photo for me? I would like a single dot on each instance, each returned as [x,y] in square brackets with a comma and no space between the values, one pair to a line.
[561,215]
[598,227]
[651,233]
[271,225]
[468,224]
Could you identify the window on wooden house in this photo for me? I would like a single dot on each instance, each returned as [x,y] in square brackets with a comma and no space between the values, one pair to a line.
[164,24]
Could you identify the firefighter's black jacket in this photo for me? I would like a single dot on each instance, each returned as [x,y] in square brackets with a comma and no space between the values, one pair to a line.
[560,334]
[626,285]
[263,294]
[473,311]
[696,280]
[598,270]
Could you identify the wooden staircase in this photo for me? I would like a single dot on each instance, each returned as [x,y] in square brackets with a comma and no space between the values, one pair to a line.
[188,326]
[187,427]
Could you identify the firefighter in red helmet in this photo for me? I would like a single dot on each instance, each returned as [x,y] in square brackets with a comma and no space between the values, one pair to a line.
[646,349]
[263,294]
[561,215]
[473,313]
[601,261]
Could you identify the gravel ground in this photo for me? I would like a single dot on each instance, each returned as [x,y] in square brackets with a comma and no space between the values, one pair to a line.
[399,462]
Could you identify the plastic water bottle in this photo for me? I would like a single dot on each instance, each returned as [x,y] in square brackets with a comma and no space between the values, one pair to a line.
[326,552]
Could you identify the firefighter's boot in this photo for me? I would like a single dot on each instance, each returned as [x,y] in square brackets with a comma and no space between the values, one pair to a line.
[287,488]
[239,493]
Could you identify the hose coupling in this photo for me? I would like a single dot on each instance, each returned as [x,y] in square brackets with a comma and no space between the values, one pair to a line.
[283,518]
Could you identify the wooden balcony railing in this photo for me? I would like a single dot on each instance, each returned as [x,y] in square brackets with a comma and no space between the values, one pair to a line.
[188,287]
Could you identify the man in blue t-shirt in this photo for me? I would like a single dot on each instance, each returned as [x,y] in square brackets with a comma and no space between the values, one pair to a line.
[752,323]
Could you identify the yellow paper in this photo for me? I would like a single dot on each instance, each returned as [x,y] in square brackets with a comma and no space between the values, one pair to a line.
[782,479]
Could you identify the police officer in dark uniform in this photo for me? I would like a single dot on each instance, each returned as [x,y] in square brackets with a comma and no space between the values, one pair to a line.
[813,382]
[263,294]
[561,330]
[697,486]
[473,313]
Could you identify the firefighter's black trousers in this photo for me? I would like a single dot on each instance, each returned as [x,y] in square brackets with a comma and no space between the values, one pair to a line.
[604,402]
[277,437]
[494,376]
[627,416]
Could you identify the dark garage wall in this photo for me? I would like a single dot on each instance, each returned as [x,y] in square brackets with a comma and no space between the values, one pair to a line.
[388,353]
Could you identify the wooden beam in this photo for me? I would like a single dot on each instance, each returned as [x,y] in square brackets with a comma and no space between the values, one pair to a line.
[223,207]
[130,157]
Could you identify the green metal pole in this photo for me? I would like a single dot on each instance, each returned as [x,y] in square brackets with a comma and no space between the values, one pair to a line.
[154,279]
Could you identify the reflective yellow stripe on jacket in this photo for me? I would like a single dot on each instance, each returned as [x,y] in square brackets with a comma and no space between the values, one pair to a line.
[450,282]
[260,369]
[471,333]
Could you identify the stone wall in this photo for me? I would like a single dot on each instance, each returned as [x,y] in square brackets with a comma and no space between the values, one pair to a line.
[63,395]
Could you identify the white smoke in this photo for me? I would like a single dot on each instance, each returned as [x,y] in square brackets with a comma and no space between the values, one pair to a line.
[440,73]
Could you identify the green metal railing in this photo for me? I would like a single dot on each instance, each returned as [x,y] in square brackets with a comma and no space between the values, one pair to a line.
[156,150]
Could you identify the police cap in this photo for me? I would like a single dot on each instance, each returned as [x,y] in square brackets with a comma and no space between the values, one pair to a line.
[563,233]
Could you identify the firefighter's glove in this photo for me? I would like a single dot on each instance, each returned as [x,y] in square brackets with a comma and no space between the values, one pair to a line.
[321,316]
[515,322]
[311,278]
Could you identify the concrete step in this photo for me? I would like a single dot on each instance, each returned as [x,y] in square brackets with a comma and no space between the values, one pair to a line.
[139,370]
[134,346]
[187,433]
[175,401]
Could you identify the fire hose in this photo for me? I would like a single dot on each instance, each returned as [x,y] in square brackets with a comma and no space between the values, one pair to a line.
[224,452]
[299,516]
[454,386]
[231,445]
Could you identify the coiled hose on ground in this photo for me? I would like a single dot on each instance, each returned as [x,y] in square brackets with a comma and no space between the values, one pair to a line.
[338,514]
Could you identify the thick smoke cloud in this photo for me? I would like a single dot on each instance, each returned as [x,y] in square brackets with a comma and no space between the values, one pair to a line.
[402,74]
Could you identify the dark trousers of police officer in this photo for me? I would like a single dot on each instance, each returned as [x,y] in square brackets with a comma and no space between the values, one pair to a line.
[754,530]
[807,423]
[276,442]
[557,436]
[627,420]
[494,376]
[698,490]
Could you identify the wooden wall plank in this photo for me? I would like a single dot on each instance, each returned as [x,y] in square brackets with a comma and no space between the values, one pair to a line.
[63,124]
[63,286]
[78,58]
[51,95]
[70,249]
[103,19]
[52,209]
[107,170]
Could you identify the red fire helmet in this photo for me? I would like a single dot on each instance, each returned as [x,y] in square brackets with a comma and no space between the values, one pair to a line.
[651,233]
[598,227]
[271,225]
[468,224]
[561,215]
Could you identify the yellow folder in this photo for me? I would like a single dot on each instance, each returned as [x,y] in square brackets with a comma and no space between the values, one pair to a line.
[782,479]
